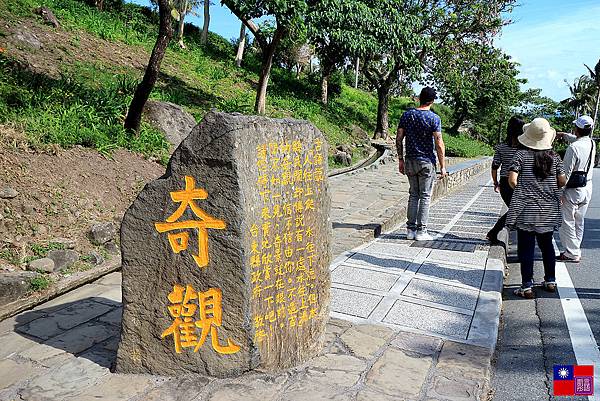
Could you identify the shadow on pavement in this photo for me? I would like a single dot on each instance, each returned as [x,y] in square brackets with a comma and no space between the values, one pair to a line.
[87,328]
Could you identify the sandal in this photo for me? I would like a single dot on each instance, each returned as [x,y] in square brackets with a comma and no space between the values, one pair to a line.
[564,258]
[549,286]
[526,293]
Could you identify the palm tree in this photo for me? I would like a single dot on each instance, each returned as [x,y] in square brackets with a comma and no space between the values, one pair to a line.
[595,75]
[580,99]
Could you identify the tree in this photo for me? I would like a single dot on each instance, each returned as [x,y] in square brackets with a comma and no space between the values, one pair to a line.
[204,35]
[182,8]
[595,75]
[288,16]
[241,46]
[581,95]
[478,82]
[329,33]
[396,40]
[143,90]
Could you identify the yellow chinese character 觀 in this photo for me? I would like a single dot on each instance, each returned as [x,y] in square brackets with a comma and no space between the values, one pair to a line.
[183,328]
[179,240]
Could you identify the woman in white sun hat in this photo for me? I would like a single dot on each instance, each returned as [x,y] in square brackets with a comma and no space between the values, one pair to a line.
[536,174]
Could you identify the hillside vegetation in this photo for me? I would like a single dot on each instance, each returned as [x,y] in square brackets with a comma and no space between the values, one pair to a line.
[75,89]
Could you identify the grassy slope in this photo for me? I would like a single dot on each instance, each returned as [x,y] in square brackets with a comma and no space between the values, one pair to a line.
[86,104]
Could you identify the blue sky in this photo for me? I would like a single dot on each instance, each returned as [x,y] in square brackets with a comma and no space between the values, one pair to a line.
[551,39]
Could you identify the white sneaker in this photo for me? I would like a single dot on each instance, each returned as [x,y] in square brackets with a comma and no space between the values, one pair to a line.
[410,234]
[423,236]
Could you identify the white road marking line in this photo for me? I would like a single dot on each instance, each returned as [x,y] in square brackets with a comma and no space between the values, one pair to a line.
[582,338]
[466,207]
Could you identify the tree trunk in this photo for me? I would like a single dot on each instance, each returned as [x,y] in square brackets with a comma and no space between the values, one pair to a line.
[182,14]
[383,94]
[142,92]
[268,53]
[241,46]
[596,111]
[356,73]
[324,88]
[204,36]
[459,121]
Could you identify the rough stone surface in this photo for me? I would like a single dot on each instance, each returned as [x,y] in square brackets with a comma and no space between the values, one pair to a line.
[342,158]
[453,388]
[365,340]
[14,285]
[29,39]
[63,258]
[48,16]
[8,193]
[396,373]
[267,233]
[112,248]
[95,258]
[101,233]
[171,119]
[465,360]
[44,264]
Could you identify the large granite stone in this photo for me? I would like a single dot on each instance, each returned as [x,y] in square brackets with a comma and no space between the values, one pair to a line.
[260,251]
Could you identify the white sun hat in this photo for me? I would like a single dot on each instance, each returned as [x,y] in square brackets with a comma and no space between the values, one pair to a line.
[538,135]
[584,122]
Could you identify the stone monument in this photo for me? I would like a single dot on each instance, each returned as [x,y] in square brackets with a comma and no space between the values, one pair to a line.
[226,257]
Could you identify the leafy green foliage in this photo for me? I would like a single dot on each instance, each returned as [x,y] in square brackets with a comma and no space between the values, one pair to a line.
[479,83]
[39,283]
[41,250]
[465,146]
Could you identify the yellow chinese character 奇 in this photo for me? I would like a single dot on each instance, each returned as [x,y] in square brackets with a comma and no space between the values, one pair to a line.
[179,240]
[184,328]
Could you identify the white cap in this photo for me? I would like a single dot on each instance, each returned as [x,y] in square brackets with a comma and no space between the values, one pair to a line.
[584,122]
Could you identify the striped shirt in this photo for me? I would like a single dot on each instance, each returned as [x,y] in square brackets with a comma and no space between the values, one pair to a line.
[503,157]
[535,205]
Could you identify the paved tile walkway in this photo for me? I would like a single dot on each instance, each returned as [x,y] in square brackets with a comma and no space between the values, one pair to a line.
[412,317]
[447,287]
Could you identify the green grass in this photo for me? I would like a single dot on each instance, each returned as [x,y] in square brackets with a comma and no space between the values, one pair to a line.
[41,250]
[39,283]
[77,109]
[87,105]
[464,146]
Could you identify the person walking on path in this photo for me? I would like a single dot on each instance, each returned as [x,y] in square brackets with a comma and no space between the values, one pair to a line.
[536,174]
[579,170]
[503,157]
[422,129]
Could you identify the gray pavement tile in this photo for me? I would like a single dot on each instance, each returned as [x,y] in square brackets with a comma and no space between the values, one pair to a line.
[401,251]
[382,261]
[64,319]
[353,303]
[459,274]
[433,320]
[475,259]
[442,294]
[363,278]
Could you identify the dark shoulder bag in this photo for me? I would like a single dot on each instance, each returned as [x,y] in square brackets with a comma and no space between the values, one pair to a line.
[578,179]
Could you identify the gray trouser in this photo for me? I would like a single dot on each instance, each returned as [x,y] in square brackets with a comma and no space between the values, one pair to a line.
[421,176]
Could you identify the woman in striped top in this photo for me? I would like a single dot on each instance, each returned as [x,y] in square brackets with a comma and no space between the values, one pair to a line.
[502,159]
[536,174]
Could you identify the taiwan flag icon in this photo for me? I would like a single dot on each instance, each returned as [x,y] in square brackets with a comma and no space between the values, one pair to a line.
[573,380]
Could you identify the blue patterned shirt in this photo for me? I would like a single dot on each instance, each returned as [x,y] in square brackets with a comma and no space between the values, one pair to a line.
[419,126]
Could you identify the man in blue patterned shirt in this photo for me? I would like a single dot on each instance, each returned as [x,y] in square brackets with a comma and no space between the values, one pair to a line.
[422,129]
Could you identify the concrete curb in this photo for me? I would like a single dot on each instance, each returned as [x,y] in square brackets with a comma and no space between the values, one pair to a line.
[66,285]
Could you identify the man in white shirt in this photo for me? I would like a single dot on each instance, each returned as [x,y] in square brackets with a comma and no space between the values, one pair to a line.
[575,200]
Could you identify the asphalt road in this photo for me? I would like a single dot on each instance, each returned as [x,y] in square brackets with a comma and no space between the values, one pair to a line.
[534,334]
